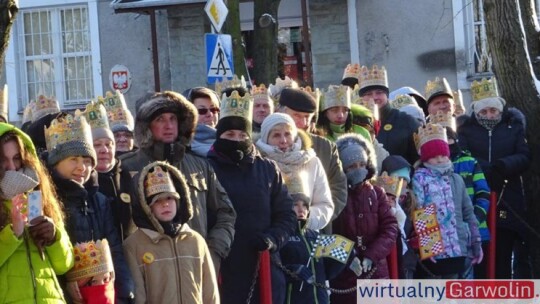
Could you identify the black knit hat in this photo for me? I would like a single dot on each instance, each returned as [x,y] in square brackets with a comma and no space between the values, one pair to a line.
[233,123]
[298,100]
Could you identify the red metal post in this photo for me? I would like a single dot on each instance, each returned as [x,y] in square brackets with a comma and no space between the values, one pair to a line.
[265,278]
[393,263]
[492,225]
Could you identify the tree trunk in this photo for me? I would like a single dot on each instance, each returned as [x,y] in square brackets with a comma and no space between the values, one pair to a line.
[517,85]
[232,27]
[265,55]
[8,11]
[528,13]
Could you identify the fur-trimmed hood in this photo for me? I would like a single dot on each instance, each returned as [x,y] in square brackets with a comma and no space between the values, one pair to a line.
[164,102]
[352,138]
[142,214]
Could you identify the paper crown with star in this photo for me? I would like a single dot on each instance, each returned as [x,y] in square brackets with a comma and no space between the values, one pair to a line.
[118,114]
[390,184]
[91,259]
[443,119]
[458,100]
[372,77]
[437,87]
[234,82]
[368,103]
[352,70]
[44,106]
[236,105]
[336,96]
[158,181]
[275,89]
[429,132]
[486,88]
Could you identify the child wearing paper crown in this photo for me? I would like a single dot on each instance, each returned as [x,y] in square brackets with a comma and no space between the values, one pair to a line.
[93,272]
[71,160]
[367,218]
[170,262]
[296,254]
[435,182]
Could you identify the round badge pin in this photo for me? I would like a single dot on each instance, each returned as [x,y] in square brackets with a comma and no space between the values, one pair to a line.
[148,258]
[387,127]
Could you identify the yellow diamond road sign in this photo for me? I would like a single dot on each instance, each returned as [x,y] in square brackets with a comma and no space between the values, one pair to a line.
[217,11]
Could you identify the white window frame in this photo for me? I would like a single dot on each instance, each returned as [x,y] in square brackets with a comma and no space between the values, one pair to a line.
[15,67]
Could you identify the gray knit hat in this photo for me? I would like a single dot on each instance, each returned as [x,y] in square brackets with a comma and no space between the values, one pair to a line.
[69,136]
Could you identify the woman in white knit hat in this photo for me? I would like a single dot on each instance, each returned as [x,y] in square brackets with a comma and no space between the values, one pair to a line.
[291,148]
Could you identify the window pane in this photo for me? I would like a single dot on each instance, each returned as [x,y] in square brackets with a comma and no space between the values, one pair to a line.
[40,75]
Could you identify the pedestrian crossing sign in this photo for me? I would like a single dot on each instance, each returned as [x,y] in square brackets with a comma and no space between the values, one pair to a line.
[219,57]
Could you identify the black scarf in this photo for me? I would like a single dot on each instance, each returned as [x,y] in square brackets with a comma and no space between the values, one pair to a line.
[234,150]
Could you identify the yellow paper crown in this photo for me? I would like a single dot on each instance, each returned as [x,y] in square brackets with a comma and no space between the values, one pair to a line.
[113,101]
[158,181]
[369,103]
[403,100]
[281,84]
[437,87]
[335,96]
[484,89]
[443,119]
[373,77]
[67,128]
[236,105]
[260,93]
[95,115]
[4,102]
[390,184]
[27,113]
[428,133]
[118,114]
[316,94]
[44,106]
[351,71]
[458,100]
[91,259]
[234,82]
[297,182]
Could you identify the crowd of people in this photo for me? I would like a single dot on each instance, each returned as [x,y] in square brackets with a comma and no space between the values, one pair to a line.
[180,203]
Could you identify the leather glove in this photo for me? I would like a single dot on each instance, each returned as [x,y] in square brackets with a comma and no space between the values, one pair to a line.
[262,242]
[303,272]
[478,253]
[42,231]
[366,265]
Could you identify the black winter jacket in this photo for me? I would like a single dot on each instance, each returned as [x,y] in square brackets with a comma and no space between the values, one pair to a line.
[505,150]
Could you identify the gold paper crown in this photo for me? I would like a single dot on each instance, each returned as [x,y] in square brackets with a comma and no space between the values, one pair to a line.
[95,115]
[335,96]
[91,259]
[443,119]
[484,89]
[236,105]
[403,100]
[44,106]
[351,71]
[27,113]
[260,92]
[373,77]
[113,101]
[66,128]
[437,87]
[234,82]
[297,182]
[428,133]
[458,100]
[315,93]
[370,104]
[158,181]
[281,84]
[390,184]
[4,102]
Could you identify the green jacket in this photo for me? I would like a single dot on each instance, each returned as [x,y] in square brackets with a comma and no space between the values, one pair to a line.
[24,276]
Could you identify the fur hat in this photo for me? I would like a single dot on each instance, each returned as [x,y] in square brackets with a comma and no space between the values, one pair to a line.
[350,147]
[153,104]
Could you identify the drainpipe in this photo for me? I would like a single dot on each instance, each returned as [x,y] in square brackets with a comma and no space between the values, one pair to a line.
[353,31]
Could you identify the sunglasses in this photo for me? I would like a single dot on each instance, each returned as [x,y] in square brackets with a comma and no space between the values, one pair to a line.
[204,111]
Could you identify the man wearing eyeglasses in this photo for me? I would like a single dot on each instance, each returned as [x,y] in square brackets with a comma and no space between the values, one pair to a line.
[207,103]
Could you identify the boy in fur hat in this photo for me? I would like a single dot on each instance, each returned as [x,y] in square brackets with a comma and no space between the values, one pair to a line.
[170,262]
[367,217]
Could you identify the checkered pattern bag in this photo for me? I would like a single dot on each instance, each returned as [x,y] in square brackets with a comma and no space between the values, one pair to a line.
[427,228]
